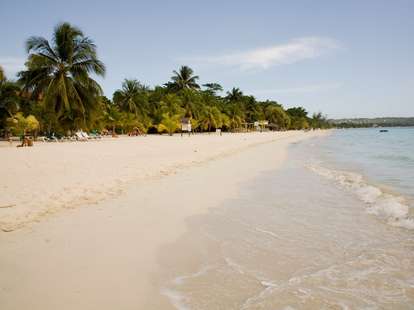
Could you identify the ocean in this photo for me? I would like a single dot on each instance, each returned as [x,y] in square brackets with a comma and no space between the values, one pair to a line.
[332,229]
[377,167]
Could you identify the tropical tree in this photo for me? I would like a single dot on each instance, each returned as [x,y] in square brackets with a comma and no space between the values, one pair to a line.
[183,79]
[225,121]
[192,102]
[130,121]
[211,118]
[60,71]
[318,120]
[299,118]
[112,117]
[9,99]
[2,77]
[171,104]
[213,88]
[132,97]
[234,95]
[57,88]
[235,115]
[251,109]
[169,123]
[20,124]
[297,112]
[277,116]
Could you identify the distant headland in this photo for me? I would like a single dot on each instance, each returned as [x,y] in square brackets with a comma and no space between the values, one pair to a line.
[373,122]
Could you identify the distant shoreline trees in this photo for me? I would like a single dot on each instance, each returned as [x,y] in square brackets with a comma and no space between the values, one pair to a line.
[57,89]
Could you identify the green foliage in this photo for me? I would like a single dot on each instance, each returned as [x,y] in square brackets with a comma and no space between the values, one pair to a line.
[2,76]
[9,99]
[299,118]
[319,121]
[169,124]
[129,122]
[18,124]
[32,124]
[297,112]
[213,88]
[132,97]
[277,117]
[210,118]
[171,104]
[234,95]
[59,73]
[56,93]
[183,79]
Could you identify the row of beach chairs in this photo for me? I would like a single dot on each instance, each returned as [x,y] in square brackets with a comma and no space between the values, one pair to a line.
[78,136]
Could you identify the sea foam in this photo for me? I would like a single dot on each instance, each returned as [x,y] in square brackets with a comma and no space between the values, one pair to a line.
[389,207]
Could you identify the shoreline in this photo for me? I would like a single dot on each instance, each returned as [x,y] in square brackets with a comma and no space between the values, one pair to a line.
[106,255]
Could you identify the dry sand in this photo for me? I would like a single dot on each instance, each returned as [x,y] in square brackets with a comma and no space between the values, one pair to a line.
[143,189]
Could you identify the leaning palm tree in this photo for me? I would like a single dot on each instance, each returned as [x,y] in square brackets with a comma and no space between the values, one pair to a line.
[132,97]
[59,72]
[183,79]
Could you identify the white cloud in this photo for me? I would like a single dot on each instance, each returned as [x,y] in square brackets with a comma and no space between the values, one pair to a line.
[294,51]
[12,65]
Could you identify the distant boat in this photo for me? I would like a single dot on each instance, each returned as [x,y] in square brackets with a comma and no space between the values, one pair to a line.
[384,130]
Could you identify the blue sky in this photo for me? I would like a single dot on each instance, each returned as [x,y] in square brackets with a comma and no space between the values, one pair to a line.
[344,58]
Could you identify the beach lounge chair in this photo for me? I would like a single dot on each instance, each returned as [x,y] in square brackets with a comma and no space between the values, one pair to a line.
[86,136]
[95,135]
[50,138]
[80,137]
[71,138]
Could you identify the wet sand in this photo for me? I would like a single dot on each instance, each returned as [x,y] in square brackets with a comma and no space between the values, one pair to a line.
[292,239]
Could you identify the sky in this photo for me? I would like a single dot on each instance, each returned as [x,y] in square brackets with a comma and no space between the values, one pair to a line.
[343,58]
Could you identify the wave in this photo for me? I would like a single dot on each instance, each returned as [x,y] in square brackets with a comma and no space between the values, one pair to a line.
[390,207]
[177,299]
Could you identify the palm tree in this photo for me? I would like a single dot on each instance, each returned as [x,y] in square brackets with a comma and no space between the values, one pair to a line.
[112,116]
[132,97]
[9,98]
[319,120]
[277,116]
[211,118]
[235,115]
[2,77]
[213,88]
[235,94]
[59,72]
[169,123]
[184,79]
[171,103]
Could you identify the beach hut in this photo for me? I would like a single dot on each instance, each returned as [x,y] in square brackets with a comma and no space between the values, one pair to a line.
[261,125]
[185,125]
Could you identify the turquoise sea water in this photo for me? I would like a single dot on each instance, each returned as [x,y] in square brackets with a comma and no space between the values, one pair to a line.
[377,166]
[330,229]
[385,157]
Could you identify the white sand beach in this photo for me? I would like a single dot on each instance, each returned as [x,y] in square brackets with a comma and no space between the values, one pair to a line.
[82,222]
[49,177]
